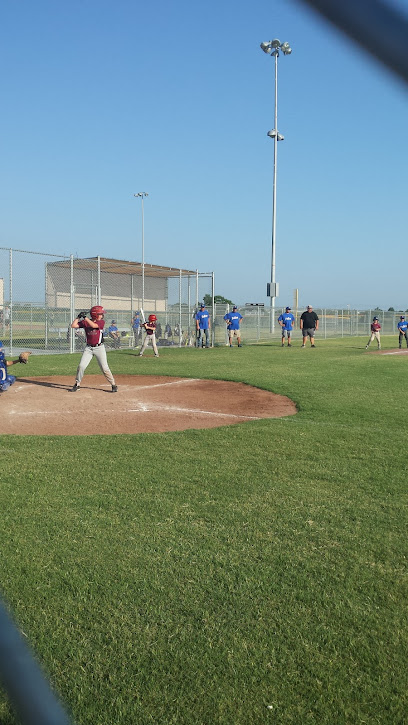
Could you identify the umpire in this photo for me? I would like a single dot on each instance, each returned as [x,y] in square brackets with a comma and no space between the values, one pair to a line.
[309,324]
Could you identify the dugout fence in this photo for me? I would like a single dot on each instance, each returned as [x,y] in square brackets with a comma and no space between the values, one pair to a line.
[40,295]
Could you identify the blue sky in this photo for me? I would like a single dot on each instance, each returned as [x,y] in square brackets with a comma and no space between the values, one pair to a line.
[103,99]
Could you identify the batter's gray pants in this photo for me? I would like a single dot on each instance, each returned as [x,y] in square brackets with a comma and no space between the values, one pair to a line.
[146,340]
[100,353]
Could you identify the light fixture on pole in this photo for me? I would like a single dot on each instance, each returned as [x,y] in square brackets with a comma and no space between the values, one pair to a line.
[142,195]
[273,47]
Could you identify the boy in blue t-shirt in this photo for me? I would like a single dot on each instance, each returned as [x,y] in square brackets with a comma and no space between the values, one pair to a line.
[114,334]
[402,330]
[286,320]
[233,320]
[203,326]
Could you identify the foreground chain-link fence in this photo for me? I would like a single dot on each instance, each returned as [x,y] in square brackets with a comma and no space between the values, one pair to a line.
[40,295]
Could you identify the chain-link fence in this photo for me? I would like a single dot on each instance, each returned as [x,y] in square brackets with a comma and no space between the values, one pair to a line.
[40,295]
[256,323]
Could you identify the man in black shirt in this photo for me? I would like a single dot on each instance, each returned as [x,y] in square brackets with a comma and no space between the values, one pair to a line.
[309,323]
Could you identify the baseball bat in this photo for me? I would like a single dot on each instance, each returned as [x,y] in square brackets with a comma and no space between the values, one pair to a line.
[142,315]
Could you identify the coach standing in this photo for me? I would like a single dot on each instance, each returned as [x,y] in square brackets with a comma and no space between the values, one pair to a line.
[203,326]
[309,324]
[402,331]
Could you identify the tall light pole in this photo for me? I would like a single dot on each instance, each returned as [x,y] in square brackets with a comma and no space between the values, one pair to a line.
[142,195]
[272,47]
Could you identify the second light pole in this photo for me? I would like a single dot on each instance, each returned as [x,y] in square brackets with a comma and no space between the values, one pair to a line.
[272,47]
[142,195]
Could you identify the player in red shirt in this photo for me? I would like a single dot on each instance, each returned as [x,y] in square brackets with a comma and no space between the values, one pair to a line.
[95,347]
[150,328]
[375,333]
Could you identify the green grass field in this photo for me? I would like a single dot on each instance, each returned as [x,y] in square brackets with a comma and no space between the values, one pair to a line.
[248,574]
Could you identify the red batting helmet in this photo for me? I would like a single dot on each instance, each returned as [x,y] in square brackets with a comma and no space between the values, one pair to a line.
[97,310]
[152,318]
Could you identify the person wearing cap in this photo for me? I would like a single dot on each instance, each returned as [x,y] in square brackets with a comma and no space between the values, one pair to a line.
[286,320]
[203,326]
[136,326]
[375,333]
[233,320]
[114,334]
[402,331]
[309,324]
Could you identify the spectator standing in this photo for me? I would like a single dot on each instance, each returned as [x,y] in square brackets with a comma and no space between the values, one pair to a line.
[136,326]
[375,333]
[233,320]
[203,326]
[309,324]
[402,331]
[286,320]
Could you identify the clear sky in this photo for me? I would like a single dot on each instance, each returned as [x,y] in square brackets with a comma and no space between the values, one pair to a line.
[102,99]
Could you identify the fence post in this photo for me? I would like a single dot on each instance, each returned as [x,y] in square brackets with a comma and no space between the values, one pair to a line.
[11,301]
[180,308]
[72,305]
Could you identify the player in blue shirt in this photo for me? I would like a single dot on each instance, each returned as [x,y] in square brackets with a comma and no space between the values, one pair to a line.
[286,320]
[114,334]
[233,320]
[402,330]
[203,326]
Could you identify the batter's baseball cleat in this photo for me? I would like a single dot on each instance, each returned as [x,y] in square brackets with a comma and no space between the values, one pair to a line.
[75,388]
[114,388]
[240,345]
[289,344]
[156,356]
[313,346]
[303,346]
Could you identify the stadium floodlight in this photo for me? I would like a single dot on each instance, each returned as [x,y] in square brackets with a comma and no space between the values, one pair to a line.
[273,47]
[141,195]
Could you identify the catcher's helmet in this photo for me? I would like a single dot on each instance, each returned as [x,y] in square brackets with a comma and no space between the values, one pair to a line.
[152,318]
[97,310]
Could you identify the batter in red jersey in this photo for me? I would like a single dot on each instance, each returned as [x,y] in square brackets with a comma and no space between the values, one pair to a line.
[95,347]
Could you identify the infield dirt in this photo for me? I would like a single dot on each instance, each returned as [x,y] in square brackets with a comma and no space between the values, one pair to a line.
[143,404]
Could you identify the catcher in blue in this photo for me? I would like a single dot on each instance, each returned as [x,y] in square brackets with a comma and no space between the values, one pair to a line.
[5,379]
